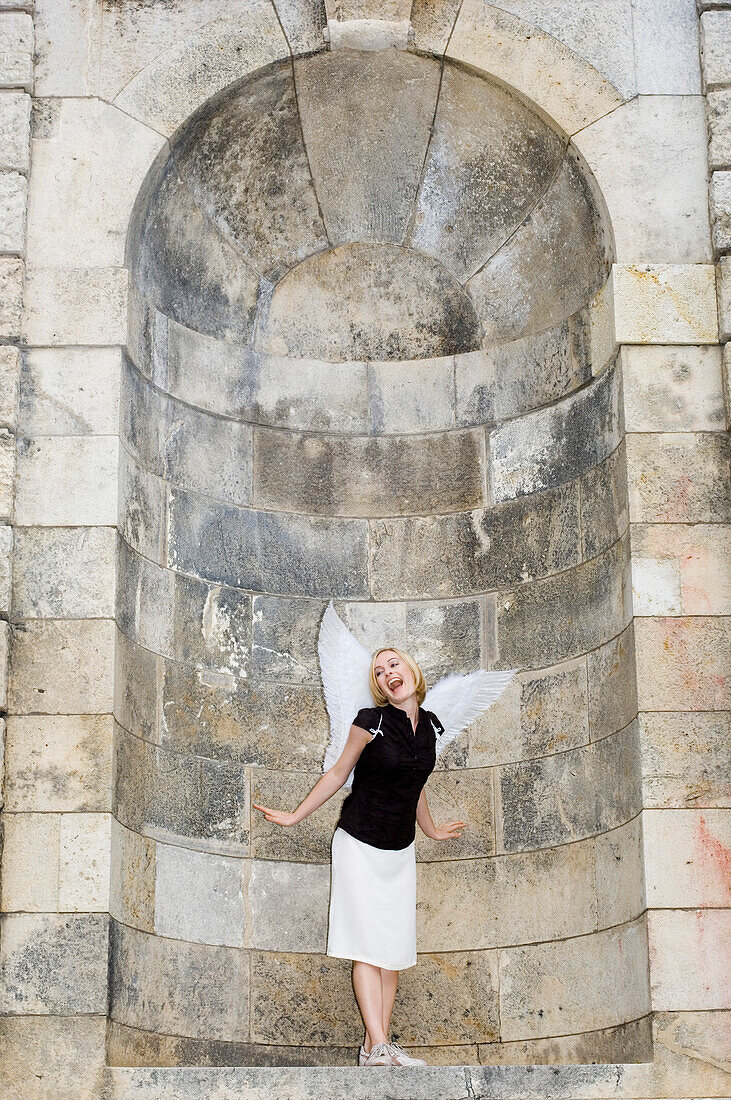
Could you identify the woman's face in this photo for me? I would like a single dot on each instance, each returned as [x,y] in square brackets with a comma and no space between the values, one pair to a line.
[394,677]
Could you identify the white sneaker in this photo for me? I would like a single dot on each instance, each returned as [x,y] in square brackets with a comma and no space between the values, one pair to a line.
[362,1056]
[399,1057]
[380,1055]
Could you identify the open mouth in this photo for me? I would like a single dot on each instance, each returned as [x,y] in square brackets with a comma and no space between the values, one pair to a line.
[395,683]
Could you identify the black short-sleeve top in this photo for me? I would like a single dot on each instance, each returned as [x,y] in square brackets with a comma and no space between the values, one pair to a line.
[389,775]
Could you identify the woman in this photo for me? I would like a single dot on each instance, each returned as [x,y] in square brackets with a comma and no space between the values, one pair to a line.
[372,918]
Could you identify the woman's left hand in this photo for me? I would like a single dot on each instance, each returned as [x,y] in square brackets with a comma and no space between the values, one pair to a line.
[446,832]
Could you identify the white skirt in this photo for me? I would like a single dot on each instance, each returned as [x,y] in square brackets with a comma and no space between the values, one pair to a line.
[372,914]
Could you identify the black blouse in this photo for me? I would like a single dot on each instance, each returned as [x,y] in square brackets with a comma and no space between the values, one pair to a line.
[389,775]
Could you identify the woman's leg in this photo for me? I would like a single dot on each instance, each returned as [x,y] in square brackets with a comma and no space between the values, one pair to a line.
[369,995]
[389,982]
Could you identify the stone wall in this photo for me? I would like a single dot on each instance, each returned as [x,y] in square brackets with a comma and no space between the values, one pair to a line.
[462,460]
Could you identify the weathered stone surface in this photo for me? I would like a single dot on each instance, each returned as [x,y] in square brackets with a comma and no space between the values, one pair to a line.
[445,638]
[16,51]
[11,296]
[721,210]
[665,303]
[672,389]
[66,480]
[54,963]
[64,572]
[245,164]
[13,203]
[691,564]
[132,878]
[575,984]
[715,40]
[678,477]
[512,899]
[550,267]
[303,24]
[662,210]
[83,873]
[686,858]
[682,663]
[554,445]
[415,396]
[718,117]
[367,476]
[470,552]
[141,500]
[62,1055]
[464,794]
[307,842]
[136,673]
[535,63]
[666,48]
[432,22]
[189,72]
[465,1003]
[691,1051]
[173,986]
[612,685]
[58,763]
[723,286]
[630,1042]
[198,896]
[30,863]
[8,467]
[685,759]
[314,1002]
[9,376]
[594,604]
[620,878]
[69,391]
[569,795]
[366,177]
[62,666]
[86,306]
[284,639]
[6,565]
[489,161]
[604,503]
[289,554]
[685,948]
[368,301]
[15,131]
[297,895]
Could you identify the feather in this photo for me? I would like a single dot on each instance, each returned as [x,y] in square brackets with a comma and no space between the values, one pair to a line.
[344,667]
[458,700]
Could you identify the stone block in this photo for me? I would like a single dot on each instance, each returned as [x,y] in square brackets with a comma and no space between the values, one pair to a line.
[604,503]
[313,1003]
[368,34]
[62,666]
[6,566]
[551,265]
[666,48]
[307,842]
[682,663]
[172,986]
[685,759]
[368,476]
[534,62]
[15,132]
[69,391]
[67,480]
[9,375]
[12,273]
[132,878]
[579,984]
[211,626]
[54,964]
[721,210]
[555,445]
[464,1007]
[620,879]
[59,762]
[661,211]
[8,467]
[366,183]
[30,863]
[665,304]
[612,685]
[601,334]
[489,161]
[686,858]
[415,396]
[445,638]
[689,565]
[62,1055]
[313,395]
[299,894]
[715,48]
[566,615]
[199,896]
[136,673]
[686,947]
[64,572]
[13,202]
[141,504]
[678,477]
[16,51]
[691,1049]
[724,297]
[242,138]
[288,554]
[83,875]
[75,306]
[102,153]
[284,639]
[628,1042]
[563,797]
[672,389]
[513,899]
[468,552]
[303,24]
[718,118]
[465,793]
[172,85]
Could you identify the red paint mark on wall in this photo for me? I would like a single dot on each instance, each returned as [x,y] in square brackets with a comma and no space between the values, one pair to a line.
[714,860]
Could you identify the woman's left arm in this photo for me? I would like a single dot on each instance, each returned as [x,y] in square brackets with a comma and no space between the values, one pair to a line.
[426,824]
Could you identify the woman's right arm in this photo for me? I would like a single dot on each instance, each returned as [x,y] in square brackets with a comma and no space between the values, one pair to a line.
[328,783]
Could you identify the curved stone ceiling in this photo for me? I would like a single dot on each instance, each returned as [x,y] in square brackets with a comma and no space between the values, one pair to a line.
[261,226]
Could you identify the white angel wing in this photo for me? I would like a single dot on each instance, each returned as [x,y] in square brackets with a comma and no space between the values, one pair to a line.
[344,666]
[458,699]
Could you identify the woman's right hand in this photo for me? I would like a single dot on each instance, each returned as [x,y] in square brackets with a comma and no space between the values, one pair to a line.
[279,817]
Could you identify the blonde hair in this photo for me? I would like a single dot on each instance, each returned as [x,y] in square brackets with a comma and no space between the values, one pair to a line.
[379,697]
